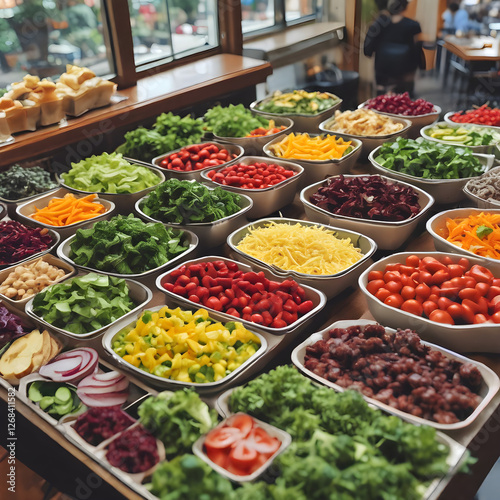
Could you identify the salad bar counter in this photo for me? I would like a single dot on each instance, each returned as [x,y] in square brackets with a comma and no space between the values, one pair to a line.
[258,319]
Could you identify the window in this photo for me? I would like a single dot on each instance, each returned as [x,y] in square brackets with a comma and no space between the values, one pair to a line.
[267,15]
[171,28]
[41,36]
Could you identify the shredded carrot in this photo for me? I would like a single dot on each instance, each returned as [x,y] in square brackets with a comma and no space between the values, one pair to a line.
[305,147]
[479,234]
[68,210]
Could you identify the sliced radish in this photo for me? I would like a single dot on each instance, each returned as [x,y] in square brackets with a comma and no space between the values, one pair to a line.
[117,386]
[103,389]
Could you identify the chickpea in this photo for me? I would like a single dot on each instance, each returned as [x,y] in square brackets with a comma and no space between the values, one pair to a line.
[11,293]
[20,293]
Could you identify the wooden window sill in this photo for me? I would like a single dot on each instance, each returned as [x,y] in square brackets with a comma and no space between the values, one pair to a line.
[293,44]
[177,88]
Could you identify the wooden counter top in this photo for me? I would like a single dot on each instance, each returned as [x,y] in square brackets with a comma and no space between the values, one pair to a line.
[178,88]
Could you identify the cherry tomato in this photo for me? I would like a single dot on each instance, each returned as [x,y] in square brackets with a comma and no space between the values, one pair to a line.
[375,275]
[495,304]
[373,286]
[446,260]
[408,292]
[425,277]
[394,286]
[444,303]
[482,288]
[455,270]
[394,300]
[394,266]
[382,294]
[440,316]
[493,292]
[469,294]
[480,273]
[464,262]
[413,260]
[480,318]
[407,270]
[392,276]
[413,307]
[428,306]
[440,276]
[455,311]
[423,291]
[467,313]
[495,317]
[432,265]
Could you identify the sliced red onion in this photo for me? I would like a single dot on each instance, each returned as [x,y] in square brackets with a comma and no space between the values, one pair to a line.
[103,389]
[71,366]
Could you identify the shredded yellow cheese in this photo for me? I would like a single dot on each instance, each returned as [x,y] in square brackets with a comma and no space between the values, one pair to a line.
[296,247]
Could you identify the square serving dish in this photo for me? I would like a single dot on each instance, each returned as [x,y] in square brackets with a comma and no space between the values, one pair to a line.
[329,284]
[211,234]
[317,170]
[124,202]
[265,200]
[139,293]
[231,148]
[460,338]
[436,227]
[318,298]
[50,259]
[387,235]
[444,191]
[253,145]
[64,252]
[25,210]
[282,436]
[301,122]
[166,383]
[490,386]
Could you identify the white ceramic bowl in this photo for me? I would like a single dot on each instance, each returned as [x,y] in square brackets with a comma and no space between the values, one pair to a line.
[123,201]
[417,122]
[490,386]
[447,119]
[196,174]
[315,296]
[436,226]
[485,149]
[25,210]
[489,178]
[253,145]
[317,170]
[329,284]
[155,380]
[444,191]
[266,200]
[387,235]
[211,234]
[369,142]
[461,338]
[64,252]
[140,295]
[301,122]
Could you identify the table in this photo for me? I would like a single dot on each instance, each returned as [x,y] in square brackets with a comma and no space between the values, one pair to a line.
[475,59]
[76,474]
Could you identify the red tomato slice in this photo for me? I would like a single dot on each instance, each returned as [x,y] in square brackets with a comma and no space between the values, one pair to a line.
[222,437]
[242,422]
[218,456]
[262,442]
[243,456]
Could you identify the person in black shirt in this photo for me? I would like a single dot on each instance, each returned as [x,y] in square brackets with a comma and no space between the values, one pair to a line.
[393,40]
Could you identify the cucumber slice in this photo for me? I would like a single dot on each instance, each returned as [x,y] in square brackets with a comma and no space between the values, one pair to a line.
[63,409]
[45,402]
[34,393]
[62,396]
